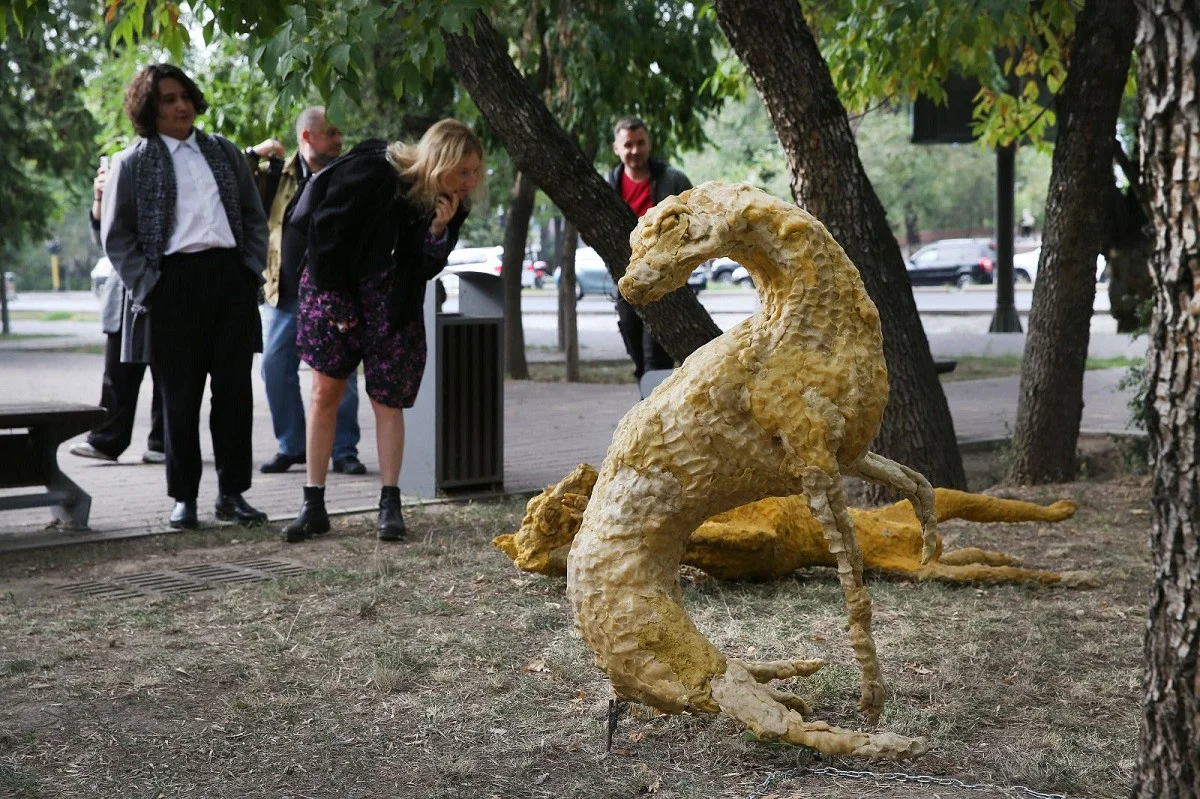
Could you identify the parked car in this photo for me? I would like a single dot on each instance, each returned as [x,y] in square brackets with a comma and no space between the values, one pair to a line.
[1025,265]
[953,262]
[721,270]
[100,274]
[489,260]
[592,277]
[741,277]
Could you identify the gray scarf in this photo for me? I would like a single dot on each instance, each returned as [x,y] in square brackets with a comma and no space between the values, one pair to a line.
[156,193]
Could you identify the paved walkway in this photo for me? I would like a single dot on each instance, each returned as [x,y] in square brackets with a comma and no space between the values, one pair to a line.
[549,428]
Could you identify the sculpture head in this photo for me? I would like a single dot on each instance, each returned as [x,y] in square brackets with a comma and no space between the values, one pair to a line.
[672,239]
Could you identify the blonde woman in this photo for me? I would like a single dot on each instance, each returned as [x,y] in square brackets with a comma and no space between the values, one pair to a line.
[379,224]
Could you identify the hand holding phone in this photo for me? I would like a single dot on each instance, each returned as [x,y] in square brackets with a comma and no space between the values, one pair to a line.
[443,212]
[101,179]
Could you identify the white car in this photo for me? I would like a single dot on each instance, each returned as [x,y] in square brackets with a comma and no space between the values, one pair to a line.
[741,277]
[1025,266]
[488,260]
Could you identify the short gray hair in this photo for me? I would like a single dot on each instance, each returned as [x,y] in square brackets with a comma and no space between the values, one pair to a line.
[629,123]
[308,120]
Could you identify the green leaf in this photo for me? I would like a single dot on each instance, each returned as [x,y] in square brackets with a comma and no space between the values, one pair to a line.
[339,57]
[335,105]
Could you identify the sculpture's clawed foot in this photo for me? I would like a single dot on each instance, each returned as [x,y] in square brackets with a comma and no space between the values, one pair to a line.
[768,670]
[769,716]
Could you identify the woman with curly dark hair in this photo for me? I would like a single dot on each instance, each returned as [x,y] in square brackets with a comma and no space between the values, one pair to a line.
[183,226]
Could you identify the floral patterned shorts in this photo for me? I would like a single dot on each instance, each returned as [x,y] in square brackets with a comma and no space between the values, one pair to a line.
[393,358]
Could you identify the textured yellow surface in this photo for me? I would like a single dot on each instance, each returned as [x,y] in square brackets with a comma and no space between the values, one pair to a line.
[785,403]
[773,537]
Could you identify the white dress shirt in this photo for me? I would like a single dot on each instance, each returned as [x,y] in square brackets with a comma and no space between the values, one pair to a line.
[200,221]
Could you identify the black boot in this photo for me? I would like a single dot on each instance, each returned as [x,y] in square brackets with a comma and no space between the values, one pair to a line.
[312,520]
[391,517]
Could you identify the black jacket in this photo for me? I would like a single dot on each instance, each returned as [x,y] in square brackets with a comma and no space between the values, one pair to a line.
[360,223]
[665,180]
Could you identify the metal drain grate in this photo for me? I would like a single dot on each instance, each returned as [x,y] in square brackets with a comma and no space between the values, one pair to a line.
[274,568]
[185,579]
[98,590]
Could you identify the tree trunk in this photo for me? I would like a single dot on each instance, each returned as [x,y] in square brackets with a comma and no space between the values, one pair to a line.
[1168,70]
[516,233]
[1051,398]
[566,301]
[540,148]
[828,180]
[568,318]
[1127,247]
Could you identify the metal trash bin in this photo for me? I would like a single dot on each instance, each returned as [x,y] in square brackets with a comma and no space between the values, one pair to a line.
[454,441]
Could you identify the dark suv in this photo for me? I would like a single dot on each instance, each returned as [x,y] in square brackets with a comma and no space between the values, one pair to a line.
[953,262]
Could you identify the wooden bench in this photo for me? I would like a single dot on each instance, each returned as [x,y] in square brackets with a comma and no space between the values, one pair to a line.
[29,437]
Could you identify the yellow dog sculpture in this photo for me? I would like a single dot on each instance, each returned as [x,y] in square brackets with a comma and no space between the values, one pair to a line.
[771,538]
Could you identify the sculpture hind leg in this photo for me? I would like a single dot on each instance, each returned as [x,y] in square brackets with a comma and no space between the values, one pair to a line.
[911,484]
[827,500]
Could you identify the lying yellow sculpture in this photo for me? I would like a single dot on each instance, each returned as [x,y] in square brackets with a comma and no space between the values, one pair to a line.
[771,538]
[784,403]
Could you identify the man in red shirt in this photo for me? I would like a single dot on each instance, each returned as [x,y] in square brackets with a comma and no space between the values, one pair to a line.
[643,182]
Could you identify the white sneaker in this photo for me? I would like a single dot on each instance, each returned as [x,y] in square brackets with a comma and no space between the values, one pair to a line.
[86,450]
[154,456]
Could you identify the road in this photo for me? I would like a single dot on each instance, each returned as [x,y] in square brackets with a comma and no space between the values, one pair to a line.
[973,301]
[955,322]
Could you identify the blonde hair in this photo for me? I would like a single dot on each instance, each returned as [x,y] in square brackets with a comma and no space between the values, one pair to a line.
[440,150]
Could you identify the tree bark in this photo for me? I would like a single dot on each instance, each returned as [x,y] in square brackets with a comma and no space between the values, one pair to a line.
[540,148]
[1051,398]
[1168,46]
[516,233]
[566,301]
[828,180]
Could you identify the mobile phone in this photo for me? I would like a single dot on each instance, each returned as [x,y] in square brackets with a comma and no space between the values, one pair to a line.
[104,162]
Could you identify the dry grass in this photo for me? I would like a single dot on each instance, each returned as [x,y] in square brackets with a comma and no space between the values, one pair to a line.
[434,669]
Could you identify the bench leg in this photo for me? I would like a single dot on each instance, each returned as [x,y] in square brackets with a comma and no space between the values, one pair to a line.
[73,511]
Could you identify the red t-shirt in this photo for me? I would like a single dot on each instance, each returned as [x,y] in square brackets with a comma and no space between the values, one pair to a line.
[636,194]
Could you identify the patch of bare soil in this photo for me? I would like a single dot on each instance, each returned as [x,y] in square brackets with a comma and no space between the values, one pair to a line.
[433,668]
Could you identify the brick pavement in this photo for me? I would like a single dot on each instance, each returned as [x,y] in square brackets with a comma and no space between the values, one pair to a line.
[549,428]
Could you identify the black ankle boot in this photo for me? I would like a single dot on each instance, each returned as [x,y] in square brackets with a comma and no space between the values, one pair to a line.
[391,517]
[312,519]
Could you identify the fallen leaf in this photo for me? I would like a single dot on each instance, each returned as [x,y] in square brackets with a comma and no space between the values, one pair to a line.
[535,666]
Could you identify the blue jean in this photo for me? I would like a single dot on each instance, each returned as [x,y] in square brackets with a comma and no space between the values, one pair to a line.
[280,374]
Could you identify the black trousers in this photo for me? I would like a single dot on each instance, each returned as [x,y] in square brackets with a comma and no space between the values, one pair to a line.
[204,325]
[646,352]
[118,397]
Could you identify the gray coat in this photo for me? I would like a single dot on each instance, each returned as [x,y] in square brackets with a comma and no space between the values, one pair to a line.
[112,295]
[118,233]
[112,304]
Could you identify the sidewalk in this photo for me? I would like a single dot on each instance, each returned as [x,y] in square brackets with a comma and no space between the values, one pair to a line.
[549,428]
